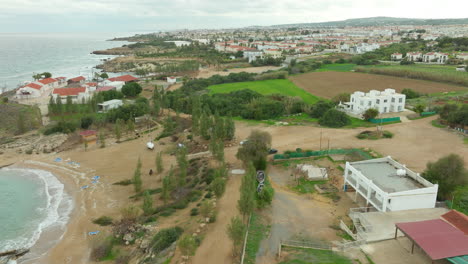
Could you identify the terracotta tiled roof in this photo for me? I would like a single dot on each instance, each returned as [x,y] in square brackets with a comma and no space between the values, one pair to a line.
[69,91]
[93,84]
[457,219]
[123,78]
[105,88]
[34,86]
[47,81]
[77,79]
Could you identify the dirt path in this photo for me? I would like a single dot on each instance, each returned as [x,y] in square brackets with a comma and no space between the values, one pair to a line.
[217,247]
[205,73]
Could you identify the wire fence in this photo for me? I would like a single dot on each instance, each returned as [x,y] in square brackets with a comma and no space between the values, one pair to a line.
[306,154]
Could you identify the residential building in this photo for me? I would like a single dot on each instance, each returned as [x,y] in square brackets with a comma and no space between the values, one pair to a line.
[117,84]
[30,90]
[77,94]
[388,185]
[385,102]
[396,56]
[253,55]
[275,53]
[77,80]
[463,56]
[436,57]
[414,56]
[108,105]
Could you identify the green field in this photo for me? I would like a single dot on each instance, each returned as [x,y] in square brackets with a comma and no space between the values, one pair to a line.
[306,256]
[280,86]
[345,67]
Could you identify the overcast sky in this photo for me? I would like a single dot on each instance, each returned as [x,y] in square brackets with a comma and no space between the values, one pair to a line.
[152,15]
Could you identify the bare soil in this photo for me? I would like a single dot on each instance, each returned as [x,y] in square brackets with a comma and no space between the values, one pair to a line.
[329,84]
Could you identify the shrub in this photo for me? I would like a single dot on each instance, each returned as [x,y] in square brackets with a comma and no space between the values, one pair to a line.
[164,238]
[101,250]
[334,118]
[265,196]
[29,151]
[5,100]
[410,93]
[124,182]
[61,127]
[131,89]
[86,122]
[194,211]
[103,221]
[208,195]
[387,134]
[370,113]
[320,108]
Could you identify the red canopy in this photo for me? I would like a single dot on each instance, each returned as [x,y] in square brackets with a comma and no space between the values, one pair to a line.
[437,238]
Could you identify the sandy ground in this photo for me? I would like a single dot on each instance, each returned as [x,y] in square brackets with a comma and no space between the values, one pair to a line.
[414,144]
[329,84]
[205,73]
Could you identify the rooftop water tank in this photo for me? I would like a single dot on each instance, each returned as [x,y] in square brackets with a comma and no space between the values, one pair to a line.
[401,172]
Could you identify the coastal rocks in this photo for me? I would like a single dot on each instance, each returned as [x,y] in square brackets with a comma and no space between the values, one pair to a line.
[12,255]
[128,237]
[35,144]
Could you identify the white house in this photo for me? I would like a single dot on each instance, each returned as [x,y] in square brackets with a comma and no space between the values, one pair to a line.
[275,53]
[30,90]
[117,84]
[388,185]
[414,56]
[436,57]
[396,56]
[463,56]
[77,94]
[253,55]
[108,105]
[385,102]
[92,86]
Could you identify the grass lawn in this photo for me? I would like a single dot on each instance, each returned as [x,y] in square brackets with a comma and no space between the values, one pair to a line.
[315,256]
[306,186]
[279,86]
[345,67]
[436,123]
[257,232]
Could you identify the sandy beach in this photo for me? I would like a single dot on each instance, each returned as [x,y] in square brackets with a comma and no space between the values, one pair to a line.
[114,163]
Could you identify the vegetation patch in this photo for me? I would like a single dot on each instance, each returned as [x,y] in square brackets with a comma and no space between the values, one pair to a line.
[305,256]
[257,232]
[374,135]
[305,186]
[267,87]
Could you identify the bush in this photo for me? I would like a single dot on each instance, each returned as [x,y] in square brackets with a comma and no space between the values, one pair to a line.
[5,100]
[101,250]
[29,151]
[124,182]
[61,127]
[410,93]
[370,113]
[265,197]
[164,238]
[103,221]
[387,134]
[86,122]
[194,211]
[320,108]
[334,118]
[131,89]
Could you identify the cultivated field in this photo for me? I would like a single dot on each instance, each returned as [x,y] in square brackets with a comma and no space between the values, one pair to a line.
[284,87]
[329,84]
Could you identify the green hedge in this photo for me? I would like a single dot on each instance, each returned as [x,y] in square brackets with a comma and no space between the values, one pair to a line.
[306,154]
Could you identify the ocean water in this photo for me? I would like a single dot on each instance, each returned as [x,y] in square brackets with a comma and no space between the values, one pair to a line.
[31,202]
[68,55]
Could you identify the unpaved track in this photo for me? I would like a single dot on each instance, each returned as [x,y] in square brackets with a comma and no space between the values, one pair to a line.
[217,247]
[329,84]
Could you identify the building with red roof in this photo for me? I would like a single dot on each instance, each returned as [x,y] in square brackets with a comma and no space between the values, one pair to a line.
[47,81]
[105,88]
[77,80]
[77,94]
[30,90]
[124,78]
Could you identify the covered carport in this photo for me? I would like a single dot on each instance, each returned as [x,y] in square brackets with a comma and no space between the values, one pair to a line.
[437,238]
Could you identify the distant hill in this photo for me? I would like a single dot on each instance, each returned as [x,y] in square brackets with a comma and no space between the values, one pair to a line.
[379,21]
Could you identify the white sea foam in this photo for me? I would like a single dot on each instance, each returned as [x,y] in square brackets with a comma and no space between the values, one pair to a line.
[57,209]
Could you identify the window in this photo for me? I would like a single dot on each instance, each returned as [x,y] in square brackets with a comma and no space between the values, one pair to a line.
[385,100]
[378,101]
[400,100]
[369,103]
[393,100]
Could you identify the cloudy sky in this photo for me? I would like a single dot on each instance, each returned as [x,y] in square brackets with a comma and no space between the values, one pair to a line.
[151,15]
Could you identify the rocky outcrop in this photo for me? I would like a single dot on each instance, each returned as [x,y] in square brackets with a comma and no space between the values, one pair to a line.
[12,255]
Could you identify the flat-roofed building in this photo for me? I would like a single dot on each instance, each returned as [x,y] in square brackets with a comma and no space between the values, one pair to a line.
[388,185]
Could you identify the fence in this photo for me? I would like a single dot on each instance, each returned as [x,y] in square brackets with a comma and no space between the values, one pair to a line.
[428,113]
[385,120]
[307,154]
[303,244]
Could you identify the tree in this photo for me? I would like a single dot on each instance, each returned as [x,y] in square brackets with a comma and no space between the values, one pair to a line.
[59,105]
[118,129]
[320,108]
[147,203]
[206,208]
[334,118]
[46,75]
[131,89]
[217,148]
[159,162]
[130,126]
[86,122]
[255,149]
[218,185]
[182,162]
[102,139]
[235,231]
[85,145]
[419,108]
[230,128]
[137,182]
[410,93]
[166,189]
[52,107]
[104,75]
[69,105]
[187,245]
[449,172]
[342,97]
[196,115]
[247,202]
[206,125]
[370,113]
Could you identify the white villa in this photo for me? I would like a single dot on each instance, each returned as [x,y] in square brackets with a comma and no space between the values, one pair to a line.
[388,185]
[385,102]
[435,57]
[77,94]
[42,87]
[396,56]
[253,55]
[414,56]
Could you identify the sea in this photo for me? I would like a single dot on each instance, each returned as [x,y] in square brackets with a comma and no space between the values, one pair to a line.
[31,202]
[61,54]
